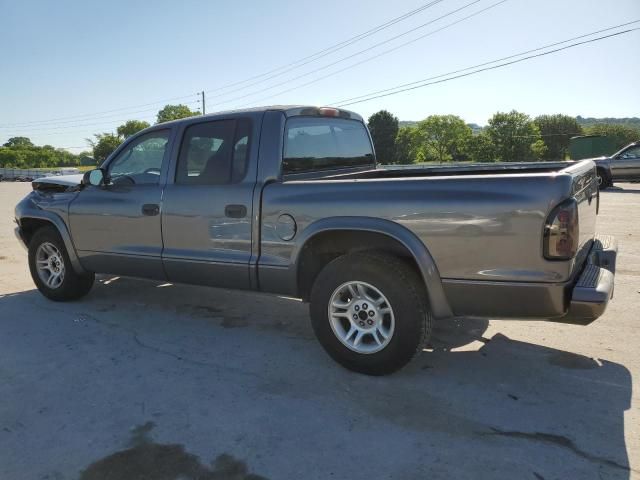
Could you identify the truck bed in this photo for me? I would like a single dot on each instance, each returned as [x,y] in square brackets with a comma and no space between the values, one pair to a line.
[392,171]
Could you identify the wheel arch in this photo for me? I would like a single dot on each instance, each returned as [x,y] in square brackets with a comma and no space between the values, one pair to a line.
[31,222]
[326,239]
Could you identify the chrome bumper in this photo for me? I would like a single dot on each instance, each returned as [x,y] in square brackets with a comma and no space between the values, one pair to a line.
[594,288]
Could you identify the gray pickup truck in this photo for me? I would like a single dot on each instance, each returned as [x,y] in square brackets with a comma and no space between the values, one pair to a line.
[288,200]
[622,166]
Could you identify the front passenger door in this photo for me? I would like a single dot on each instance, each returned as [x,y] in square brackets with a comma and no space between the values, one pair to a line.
[116,227]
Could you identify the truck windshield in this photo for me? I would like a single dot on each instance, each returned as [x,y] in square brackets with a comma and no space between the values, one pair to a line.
[320,143]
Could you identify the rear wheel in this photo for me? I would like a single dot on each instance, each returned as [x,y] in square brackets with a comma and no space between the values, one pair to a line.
[51,268]
[369,312]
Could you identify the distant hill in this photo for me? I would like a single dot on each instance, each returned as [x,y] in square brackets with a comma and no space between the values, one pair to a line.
[584,121]
[629,121]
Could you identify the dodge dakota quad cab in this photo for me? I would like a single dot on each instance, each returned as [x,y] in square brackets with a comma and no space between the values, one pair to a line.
[622,166]
[289,200]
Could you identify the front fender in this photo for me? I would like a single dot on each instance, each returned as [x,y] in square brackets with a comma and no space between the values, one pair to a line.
[428,269]
[29,209]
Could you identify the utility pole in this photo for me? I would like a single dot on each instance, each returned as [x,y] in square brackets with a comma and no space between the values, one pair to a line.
[203,109]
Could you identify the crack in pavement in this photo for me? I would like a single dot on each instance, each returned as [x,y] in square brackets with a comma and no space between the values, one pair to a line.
[561,441]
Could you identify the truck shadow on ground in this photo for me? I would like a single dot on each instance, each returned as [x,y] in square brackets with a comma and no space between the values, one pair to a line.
[519,399]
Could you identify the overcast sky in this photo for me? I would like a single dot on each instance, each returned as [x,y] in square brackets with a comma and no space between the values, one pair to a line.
[73,59]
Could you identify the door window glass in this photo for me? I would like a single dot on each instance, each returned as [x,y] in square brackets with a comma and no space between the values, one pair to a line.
[632,153]
[214,153]
[140,163]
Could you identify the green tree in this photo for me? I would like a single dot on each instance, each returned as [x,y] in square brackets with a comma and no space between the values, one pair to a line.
[27,155]
[18,142]
[443,137]
[539,149]
[131,127]
[174,112]
[406,146]
[621,134]
[384,129]
[103,145]
[480,148]
[556,131]
[513,134]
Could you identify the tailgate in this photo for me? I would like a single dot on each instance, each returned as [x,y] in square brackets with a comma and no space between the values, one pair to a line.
[584,190]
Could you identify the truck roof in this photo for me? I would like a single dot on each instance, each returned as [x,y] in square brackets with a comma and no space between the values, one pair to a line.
[288,110]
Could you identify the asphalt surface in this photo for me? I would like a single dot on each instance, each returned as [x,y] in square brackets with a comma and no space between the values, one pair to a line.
[146,380]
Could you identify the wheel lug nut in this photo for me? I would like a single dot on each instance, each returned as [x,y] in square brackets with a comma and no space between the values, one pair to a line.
[371,313]
[355,317]
[357,308]
[370,322]
[361,323]
[365,306]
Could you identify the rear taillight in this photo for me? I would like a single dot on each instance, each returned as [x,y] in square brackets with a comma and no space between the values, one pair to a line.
[561,232]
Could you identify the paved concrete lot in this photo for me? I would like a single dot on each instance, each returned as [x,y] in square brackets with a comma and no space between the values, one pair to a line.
[145,380]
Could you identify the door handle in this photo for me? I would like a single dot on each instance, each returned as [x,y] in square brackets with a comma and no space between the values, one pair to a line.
[150,209]
[235,211]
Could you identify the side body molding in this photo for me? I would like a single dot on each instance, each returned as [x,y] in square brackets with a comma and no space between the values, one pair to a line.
[26,209]
[428,269]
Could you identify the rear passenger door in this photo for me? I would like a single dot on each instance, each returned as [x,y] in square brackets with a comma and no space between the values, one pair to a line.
[207,206]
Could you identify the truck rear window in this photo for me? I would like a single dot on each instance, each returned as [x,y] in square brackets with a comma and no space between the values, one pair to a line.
[319,143]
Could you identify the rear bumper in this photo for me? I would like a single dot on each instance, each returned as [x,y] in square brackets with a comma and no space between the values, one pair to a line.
[594,288]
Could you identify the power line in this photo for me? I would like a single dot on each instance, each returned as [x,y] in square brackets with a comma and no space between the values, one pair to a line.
[78,117]
[486,68]
[296,64]
[393,21]
[102,122]
[323,53]
[324,67]
[494,61]
[432,32]
[45,127]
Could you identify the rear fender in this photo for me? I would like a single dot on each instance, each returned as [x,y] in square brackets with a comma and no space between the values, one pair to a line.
[427,266]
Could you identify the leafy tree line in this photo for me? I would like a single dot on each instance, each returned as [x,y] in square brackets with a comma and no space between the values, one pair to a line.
[508,137]
[20,152]
[105,143]
[512,136]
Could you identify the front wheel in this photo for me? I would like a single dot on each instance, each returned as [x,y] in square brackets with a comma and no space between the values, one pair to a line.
[604,179]
[51,268]
[369,312]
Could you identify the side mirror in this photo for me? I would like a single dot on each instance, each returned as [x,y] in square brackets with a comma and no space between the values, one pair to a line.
[94,177]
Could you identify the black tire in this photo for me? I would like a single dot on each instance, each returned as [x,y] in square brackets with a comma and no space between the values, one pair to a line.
[406,295]
[605,179]
[73,285]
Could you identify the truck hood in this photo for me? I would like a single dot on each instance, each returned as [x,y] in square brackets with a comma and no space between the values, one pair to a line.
[63,180]
[58,183]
